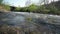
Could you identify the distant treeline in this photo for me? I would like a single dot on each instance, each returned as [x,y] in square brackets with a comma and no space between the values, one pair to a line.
[52,8]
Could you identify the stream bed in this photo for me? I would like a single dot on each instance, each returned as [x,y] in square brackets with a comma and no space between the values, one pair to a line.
[29,23]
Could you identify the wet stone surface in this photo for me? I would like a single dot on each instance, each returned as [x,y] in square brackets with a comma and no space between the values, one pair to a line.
[29,23]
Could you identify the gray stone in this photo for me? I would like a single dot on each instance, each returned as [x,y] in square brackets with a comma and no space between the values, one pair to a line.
[44,23]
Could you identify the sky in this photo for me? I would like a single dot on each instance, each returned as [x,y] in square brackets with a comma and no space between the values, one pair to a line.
[19,3]
[15,2]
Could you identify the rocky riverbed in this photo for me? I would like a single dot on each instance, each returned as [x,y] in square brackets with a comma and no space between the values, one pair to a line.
[29,23]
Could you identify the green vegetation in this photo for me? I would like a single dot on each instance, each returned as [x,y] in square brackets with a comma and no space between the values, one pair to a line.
[1,1]
[44,9]
[52,8]
[7,7]
[32,8]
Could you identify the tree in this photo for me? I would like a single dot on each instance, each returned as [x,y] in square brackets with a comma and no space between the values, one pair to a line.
[32,8]
[1,1]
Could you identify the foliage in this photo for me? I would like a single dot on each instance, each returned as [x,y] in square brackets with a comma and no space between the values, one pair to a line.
[32,8]
[45,9]
[52,9]
[4,7]
[17,8]
[1,1]
[7,7]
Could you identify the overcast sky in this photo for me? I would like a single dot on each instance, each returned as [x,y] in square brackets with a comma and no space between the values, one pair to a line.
[20,3]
